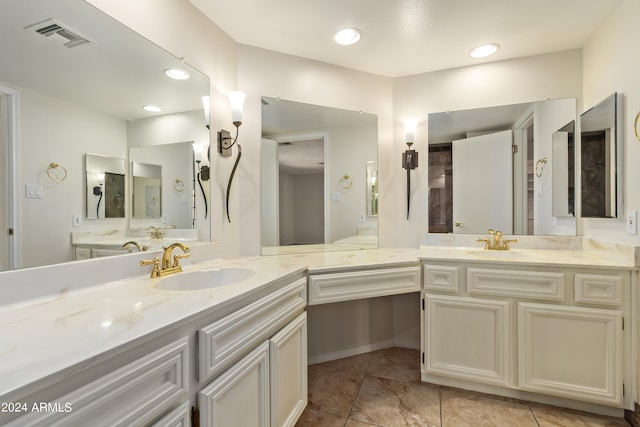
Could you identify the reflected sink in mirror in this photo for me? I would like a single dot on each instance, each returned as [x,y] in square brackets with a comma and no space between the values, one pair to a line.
[204,279]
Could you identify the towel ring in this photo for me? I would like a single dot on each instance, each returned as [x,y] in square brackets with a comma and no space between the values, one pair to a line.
[53,176]
[636,132]
[345,183]
[540,166]
[178,185]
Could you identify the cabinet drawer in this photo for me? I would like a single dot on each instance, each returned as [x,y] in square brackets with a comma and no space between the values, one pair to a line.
[133,395]
[179,417]
[223,342]
[325,288]
[546,286]
[599,289]
[441,278]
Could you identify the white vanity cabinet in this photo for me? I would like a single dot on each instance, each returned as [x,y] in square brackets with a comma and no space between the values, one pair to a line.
[529,330]
[257,358]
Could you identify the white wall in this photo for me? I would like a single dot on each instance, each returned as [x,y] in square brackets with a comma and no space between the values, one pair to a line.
[611,63]
[52,130]
[551,76]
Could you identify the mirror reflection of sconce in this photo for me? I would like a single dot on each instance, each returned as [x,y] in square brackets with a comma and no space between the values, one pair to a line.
[409,157]
[225,142]
[206,104]
[540,166]
[202,174]
[97,191]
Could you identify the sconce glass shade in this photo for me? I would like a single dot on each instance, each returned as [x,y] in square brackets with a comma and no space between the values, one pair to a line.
[410,129]
[236,101]
[197,152]
[206,104]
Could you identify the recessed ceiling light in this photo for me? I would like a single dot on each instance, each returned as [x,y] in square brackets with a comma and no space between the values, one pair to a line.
[176,74]
[152,108]
[347,36]
[484,50]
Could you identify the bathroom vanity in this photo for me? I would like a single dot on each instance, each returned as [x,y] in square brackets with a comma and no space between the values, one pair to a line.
[556,326]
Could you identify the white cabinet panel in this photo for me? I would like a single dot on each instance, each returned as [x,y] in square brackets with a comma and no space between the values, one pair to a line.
[571,352]
[222,342]
[441,278]
[599,289]
[133,395]
[547,286]
[288,375]
[179,417]
[468,338]
[346,286]
[240,396]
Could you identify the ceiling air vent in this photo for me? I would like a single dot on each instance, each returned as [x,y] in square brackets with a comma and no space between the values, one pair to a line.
[50,28]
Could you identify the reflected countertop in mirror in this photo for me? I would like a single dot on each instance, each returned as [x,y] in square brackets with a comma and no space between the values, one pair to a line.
[319,178]
[86,97]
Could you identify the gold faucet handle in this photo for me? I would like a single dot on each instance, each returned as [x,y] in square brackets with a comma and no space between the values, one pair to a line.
[491,232]
[178,257]
[156,265]
[507,241]
[486,242]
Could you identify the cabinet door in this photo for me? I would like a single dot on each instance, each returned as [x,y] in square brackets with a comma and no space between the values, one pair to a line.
[240,396]
[571,352]
[468,339]
[288,363]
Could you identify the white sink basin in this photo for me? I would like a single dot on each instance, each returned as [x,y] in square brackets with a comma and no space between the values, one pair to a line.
[204,279]
[495,254]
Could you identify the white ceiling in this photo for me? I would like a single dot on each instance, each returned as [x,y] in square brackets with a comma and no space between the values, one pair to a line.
[403,37]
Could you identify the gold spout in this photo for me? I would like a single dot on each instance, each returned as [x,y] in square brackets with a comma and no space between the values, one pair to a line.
[141,248]
[164,266]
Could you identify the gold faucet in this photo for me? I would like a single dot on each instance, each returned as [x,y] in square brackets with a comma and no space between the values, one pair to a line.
[141,248]
[155,233]
[164,266]
[494,242]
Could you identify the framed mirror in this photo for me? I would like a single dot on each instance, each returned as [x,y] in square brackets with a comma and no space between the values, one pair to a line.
[563,145]
[105,187]
[82,90]
[317,168]
[601,159]
[482,169]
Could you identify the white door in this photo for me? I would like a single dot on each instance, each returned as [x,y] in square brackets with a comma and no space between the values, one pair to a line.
[571,352]
[483,183]
[270,224]
[4,190]
[240,396]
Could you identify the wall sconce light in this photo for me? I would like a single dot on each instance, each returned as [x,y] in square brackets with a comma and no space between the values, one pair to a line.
[225,142]
[409,157]
[202,174]
[206,104]
[97,191]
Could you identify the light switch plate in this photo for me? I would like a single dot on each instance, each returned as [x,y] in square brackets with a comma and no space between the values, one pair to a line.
[76,220]
[632,222]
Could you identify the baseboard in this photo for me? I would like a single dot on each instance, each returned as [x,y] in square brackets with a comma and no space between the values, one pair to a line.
[367,348]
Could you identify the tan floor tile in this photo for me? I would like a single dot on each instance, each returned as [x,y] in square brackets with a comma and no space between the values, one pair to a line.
[549,416]
[400,364]
[462,408]
[312,418]
[333,391]
[359,363]
[354,423]
[391,403]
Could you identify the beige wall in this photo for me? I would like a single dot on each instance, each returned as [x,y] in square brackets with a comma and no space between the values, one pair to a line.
[611,63]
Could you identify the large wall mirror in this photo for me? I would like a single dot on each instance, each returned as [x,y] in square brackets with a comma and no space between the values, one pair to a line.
[601,159]
[319,178]
[82,80]
[491,168]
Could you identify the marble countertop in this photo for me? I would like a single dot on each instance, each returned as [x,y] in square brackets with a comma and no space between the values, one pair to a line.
[47,335]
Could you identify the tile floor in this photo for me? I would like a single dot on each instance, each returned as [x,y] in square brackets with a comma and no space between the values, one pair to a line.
[383,388]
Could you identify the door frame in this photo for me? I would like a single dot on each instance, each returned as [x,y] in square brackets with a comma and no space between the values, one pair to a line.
[12,171]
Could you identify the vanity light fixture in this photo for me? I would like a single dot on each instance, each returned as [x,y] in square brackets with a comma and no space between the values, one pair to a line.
[226,143]
[484,50]
[152,108]
[97,191]
[347,36]
[409,157]
[206,104]
[202,174]
[176,74]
